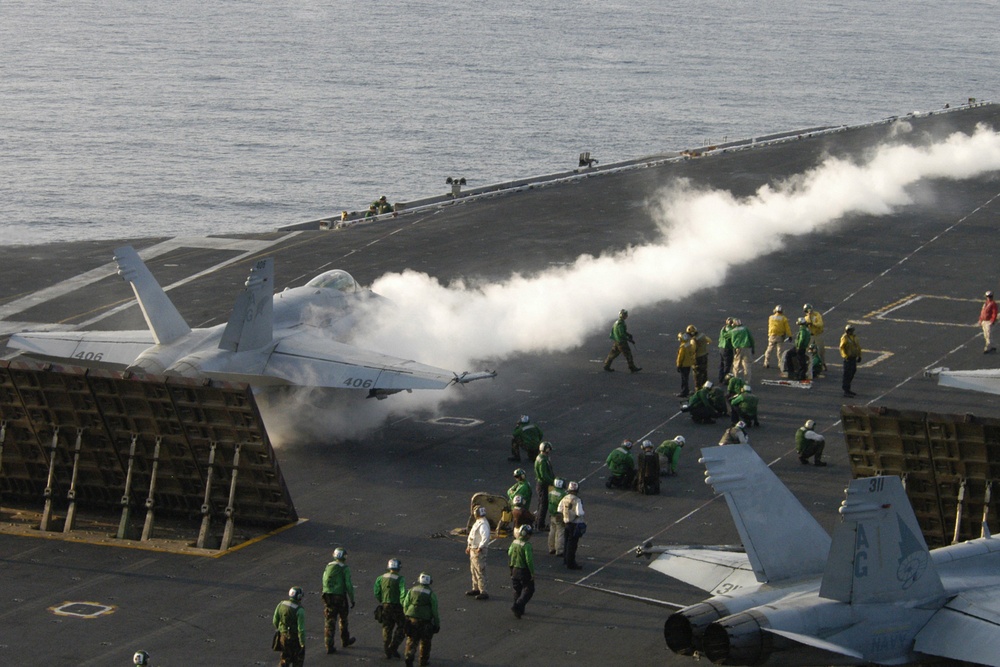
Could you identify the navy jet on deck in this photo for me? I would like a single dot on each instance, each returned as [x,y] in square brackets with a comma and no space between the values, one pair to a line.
[285,339]
[874,594]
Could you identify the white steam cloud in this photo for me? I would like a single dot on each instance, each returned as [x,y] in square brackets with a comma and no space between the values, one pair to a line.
[704,233]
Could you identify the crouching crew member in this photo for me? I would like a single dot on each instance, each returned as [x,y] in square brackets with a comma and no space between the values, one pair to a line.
[809,443]
[745,406]
[670,453]
[621,467]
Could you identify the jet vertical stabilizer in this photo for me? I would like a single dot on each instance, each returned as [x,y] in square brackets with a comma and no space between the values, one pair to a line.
[878,552]
[251,324]
[163,319]
[781,538]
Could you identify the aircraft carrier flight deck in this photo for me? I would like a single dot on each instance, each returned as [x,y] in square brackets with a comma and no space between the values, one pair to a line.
[911,279]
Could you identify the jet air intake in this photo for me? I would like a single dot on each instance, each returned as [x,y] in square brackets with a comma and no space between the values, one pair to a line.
[739,640]
[685,629]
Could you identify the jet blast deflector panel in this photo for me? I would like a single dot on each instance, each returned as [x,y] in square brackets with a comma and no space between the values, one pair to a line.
[105,443]
[948,464]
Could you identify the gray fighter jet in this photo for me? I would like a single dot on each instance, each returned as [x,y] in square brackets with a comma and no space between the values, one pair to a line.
[288,339]
[874,594]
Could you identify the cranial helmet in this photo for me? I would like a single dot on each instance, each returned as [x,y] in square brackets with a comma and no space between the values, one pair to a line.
[518,500]
[647,444]
[339,553]
[622,313]
[480,510]
[140,658]
[559,482]
[573,486]
[708,384]
[524,531]
[680,440]
[519,473]
[545,446]
[741,424]
[746,388]
[424,579]
[807,307]
[849,328]
[525,419]
[393,564]
[989,294]
[801,320]
[626,443]
[778,309]
[810,424]
[691,330]
[295,594]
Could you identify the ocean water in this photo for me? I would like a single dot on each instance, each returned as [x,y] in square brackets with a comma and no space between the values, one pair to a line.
[124,118]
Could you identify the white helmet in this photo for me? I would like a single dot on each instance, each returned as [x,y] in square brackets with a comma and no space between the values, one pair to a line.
[525,419]
[810,424]
[708,385]
[573,486]
[339,553]
[559,482]
[480,510]
[647,444]
[424,579]
[801,320]
[626,443]
[544,447]
[524,531]
[747,388]
[294,594]
[741,424]
[393,564]
[518,500]
[140,658]
[680,439]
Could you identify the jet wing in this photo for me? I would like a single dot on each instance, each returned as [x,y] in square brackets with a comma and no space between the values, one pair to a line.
[119,348]
[309,360]
[717,570]
[965,629]
[987,380]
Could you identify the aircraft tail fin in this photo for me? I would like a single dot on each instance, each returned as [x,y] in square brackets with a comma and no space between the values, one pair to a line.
[162,317]
[251,324]
[781,538]
[878,552]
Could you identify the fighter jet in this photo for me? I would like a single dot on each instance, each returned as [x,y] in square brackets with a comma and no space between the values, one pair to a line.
[874,594]
[270,340]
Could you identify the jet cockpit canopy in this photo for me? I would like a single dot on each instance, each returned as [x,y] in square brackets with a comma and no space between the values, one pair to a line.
[337,279]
